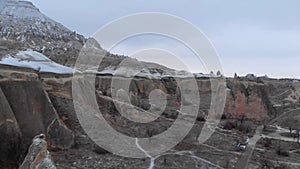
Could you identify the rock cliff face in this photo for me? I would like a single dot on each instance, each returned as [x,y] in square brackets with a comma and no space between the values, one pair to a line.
[26,111]
[10,135]
[245,99]
[248,100]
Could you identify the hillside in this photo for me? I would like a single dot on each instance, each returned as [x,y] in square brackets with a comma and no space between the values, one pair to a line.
[39,125]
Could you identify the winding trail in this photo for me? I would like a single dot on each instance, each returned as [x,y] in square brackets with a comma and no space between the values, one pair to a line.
[152,159]
[283,114]
[195,158]
[244,160]
[281,93]
[276,135]
[190,154]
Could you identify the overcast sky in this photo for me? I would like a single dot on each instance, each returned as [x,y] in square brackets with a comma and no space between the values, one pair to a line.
[253,36]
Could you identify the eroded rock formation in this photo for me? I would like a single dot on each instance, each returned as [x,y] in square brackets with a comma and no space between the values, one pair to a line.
[10,135]
[38,156]
[248,100]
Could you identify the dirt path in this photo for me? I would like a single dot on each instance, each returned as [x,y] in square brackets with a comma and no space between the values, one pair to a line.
[277,135]
[189,154]
[283,114]
[244,160]
[246,156]
[281,93]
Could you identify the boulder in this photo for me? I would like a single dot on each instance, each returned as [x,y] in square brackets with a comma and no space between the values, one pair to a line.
[38,156]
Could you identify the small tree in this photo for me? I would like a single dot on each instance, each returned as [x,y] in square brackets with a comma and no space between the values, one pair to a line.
[235,75]
[298,135]
[165,161]
[266,164]
[296,126]
[227,163]
[242,119]
[292,124]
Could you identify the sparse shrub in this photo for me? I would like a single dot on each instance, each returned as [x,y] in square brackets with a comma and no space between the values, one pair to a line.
[266,164]
[265,127]
[229,125]
[171,115]
[248,129]
[281,166]
[200,118]
[244,128]
[100,150]
[223,117]
[267,142]
[282,152]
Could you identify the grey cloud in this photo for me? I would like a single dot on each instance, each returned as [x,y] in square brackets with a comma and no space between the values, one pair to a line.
[251,36]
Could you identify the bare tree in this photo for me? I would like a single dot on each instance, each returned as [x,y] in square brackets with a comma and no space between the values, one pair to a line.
[292,124]
[235,75]
[298,135]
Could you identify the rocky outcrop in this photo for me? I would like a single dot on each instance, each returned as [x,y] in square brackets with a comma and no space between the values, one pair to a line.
[248,100]
[10,135]
[26,111]
[34,112]
[245,99]
[38,156]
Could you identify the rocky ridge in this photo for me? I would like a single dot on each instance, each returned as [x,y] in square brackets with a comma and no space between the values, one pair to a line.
[23,22]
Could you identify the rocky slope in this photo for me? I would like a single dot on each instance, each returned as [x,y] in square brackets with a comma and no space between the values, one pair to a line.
[48,103]
[247,99]
[23,22]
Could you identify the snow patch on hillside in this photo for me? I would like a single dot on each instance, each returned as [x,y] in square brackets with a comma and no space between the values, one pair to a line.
[36,61]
